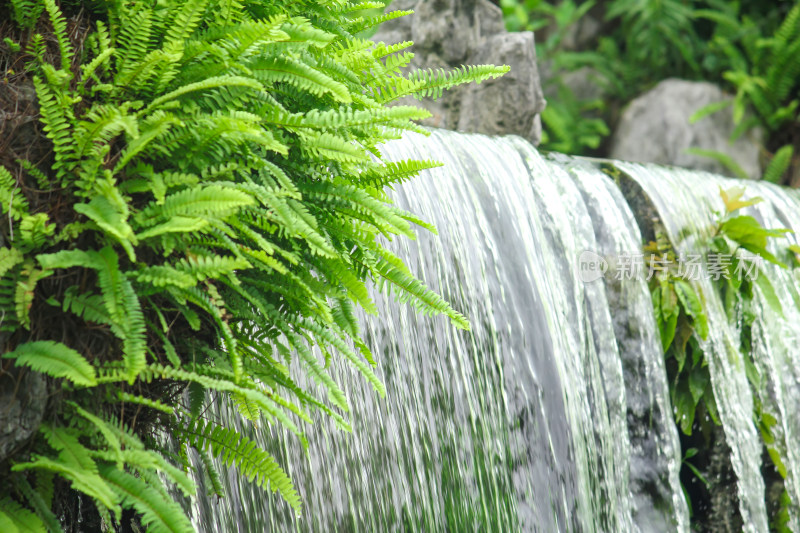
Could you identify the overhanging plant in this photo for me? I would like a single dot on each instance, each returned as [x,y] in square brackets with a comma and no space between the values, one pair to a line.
[199,209]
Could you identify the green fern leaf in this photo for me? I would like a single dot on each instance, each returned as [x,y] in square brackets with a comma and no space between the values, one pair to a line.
[176,224]
[126,397]
[38,503]
[56,360]
[74,463]
[16,519]
[12,202]
[779,164]
[9,258]
[423,298]
[60,30]
[209,200]
[157,514]
[204,85]
[88,306]
[300,75]
[186,21]
[255,464]
[23,295]
[213,476]
[110,220]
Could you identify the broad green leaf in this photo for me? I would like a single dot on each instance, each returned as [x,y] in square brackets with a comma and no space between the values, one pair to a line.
[698,379]
[684,406]
[691,304]
[108,218]
[667,330]
[751,235]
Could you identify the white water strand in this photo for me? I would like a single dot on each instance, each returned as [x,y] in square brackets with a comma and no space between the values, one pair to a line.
[775,335]
[656,491]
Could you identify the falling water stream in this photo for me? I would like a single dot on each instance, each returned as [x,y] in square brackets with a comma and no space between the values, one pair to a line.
[689,204]
[553,413]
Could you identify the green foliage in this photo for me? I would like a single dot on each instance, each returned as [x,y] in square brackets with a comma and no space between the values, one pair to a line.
[683,325]
[566,126]
[752,48]
[209,214]
[681,318]
[764,71]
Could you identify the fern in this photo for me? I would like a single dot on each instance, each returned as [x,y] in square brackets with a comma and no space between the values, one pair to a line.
[16,519]
[158,514]
[779,164]
[39,505]
[255,464]
[56,360]
[60,30]
[212,213]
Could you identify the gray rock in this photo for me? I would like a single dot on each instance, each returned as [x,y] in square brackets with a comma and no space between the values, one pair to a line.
[509,104]
[655,128]
[23,396]
[450,33]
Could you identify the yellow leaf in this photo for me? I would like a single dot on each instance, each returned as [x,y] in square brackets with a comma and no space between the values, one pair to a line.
[732,199]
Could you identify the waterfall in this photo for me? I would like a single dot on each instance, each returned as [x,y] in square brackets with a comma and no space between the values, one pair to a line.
[553,413]
[687,202]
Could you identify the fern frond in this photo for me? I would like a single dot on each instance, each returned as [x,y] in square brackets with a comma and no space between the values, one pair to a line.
[210,200]
[16,519]
[252,394]
[416,293]
[23,295]
[299,75]
[779,163]
[431,83]
[380,176]
[74,463]
[9,258]
[233,449]
[365,23]
[124,308]
[108,432]
[12,201]
[213,476]
[38,503]
[54,359]
[111,221]
[57,118]
[157,514]
[60,31]
[204,85]
[185,21]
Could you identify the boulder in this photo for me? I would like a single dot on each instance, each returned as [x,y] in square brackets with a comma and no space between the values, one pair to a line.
[23,396]
[655,128]
[450,33]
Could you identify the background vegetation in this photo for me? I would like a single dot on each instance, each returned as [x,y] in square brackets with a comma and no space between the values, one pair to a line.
[192,195]
[749,48]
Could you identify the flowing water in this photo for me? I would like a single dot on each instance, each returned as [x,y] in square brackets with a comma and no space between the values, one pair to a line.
[689,203]
[553,413]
